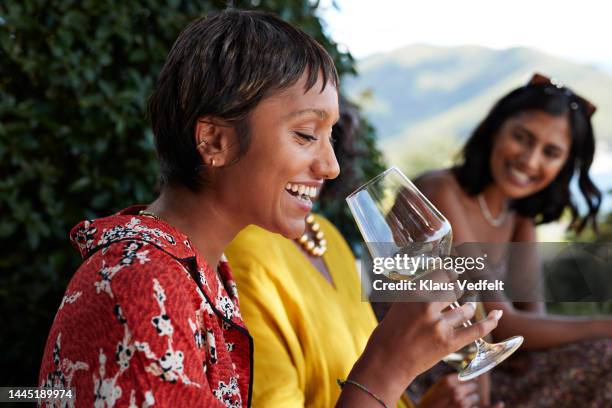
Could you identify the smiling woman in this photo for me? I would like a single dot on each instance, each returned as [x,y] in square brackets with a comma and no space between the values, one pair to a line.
[243,107]
[242,115]
[528,148]
[515,173]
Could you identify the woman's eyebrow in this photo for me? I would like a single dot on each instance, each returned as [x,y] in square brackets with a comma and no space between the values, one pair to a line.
[525,130]
[318,112]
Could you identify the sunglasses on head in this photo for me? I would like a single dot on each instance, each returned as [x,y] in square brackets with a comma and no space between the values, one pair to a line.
[539,79]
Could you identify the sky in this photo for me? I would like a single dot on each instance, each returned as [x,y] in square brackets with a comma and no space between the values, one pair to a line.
[577,30]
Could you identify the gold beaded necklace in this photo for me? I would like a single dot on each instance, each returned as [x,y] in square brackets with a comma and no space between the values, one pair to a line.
[317,245]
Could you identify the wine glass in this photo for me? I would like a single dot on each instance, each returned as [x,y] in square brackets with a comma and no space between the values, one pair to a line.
[393,216]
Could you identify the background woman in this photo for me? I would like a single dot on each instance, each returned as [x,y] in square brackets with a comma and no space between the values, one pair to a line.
[516,173]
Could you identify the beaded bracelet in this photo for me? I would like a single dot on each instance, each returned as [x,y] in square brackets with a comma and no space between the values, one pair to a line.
[364,389]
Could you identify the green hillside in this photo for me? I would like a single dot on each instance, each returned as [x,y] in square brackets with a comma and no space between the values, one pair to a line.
[424,100]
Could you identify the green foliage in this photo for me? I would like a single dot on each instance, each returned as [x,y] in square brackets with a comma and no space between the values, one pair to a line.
[74,143]
[580,308]
[604,235]
[418,155]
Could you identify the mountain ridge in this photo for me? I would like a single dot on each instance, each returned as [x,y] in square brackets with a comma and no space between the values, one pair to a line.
[423,93]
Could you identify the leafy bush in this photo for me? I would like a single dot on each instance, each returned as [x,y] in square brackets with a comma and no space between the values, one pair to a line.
[74,80]
[603,236]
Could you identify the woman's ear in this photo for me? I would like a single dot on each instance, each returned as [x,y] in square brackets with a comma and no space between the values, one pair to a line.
[215,139]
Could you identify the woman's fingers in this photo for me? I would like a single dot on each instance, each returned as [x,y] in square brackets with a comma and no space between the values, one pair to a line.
[466,395]
[466,335]
[471,400]
[456,317]
[438,307]
[462,394]
[449,392]
[465,390]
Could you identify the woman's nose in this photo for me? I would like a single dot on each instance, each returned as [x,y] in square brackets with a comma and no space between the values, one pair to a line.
[326,165]
[530,159]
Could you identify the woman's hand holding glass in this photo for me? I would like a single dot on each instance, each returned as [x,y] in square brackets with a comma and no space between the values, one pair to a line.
[400,348]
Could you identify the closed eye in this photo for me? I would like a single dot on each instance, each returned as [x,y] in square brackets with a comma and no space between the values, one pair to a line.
[307,137]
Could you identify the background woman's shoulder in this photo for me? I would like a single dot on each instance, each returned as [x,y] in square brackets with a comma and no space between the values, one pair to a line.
[437,182]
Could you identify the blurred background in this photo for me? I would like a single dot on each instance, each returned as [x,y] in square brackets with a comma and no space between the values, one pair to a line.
[428,74]
[74,140]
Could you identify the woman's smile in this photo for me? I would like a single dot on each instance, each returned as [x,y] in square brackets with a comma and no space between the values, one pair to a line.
[519,177]
[303,194]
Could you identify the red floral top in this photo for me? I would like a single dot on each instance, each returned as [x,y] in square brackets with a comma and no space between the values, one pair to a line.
[145,321]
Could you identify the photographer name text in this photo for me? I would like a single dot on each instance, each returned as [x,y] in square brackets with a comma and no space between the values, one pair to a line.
[430,285]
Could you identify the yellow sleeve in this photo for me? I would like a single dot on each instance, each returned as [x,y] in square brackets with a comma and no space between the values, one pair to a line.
[278,359]
[405,402]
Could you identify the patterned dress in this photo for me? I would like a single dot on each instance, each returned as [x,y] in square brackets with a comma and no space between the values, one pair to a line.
[146,322]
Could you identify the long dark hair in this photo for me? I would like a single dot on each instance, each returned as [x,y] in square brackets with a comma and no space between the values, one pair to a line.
[474,172]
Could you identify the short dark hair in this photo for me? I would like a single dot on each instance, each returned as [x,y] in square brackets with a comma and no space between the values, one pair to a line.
[474,172]
[223,66]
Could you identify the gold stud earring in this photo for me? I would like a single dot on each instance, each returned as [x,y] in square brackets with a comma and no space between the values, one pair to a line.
[212,162]
[203,142]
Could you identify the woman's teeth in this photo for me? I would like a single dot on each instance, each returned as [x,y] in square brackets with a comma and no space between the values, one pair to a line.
[521,177]
[302,191]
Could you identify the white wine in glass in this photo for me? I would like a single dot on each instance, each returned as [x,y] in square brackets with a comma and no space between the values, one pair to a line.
[393,215]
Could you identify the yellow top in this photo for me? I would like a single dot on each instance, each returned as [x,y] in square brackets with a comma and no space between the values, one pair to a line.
[307,332]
